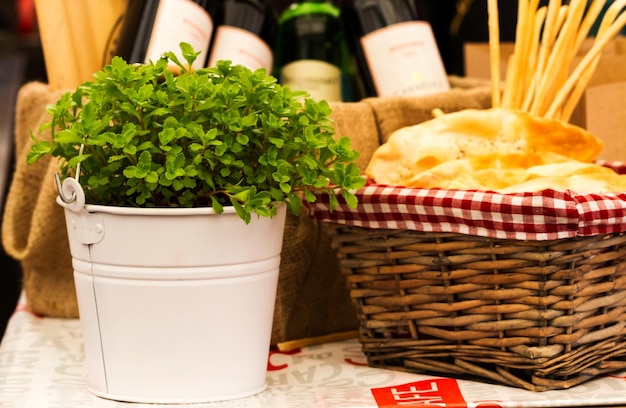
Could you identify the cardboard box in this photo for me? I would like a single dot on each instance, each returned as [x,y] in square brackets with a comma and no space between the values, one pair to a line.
[602,110]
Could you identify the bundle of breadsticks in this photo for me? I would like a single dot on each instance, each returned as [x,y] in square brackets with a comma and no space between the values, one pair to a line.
[524,143]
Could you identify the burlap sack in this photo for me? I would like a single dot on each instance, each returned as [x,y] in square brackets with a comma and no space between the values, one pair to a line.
[312,299]
[394,113]
[33,229]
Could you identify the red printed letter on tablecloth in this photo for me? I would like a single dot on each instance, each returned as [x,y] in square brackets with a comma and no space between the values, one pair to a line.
[272,367]
[442,392]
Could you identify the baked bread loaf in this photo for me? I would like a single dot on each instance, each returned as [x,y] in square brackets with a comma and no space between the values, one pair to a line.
[482,149]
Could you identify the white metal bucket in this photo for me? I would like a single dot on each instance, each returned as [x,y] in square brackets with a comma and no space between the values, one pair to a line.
[176,305]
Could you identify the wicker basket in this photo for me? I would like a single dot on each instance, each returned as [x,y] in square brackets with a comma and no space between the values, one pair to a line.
[538,314]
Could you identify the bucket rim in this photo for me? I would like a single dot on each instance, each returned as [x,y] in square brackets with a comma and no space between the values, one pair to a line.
[111,209]
[168,211]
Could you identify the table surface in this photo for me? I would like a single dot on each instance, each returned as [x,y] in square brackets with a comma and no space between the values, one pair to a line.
[41,366]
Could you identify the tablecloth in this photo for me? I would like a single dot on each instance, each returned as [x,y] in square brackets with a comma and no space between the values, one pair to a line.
[41,366]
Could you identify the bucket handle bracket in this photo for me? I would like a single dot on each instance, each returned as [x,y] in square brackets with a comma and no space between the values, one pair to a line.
[71,194]
[89,227]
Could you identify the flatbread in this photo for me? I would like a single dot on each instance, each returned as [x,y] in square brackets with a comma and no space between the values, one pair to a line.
[487,136]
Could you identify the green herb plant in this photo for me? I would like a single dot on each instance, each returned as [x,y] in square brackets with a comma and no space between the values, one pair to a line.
[142,136]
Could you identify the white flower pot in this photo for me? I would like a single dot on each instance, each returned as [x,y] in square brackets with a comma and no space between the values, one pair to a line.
[176,305]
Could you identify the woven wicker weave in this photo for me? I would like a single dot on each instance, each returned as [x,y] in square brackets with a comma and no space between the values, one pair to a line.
[539,315]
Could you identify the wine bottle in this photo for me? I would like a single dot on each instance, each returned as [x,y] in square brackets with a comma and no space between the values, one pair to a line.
[152,27]
[311,52]
[245,34]
[396,51]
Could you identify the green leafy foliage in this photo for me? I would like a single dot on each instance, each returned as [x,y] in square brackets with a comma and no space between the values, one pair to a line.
[214,137]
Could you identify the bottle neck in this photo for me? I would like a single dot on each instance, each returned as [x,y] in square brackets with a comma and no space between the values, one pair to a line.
[244,13]
[304,7]
[375,14]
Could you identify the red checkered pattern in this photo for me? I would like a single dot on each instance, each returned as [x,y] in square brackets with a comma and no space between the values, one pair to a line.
[543,215]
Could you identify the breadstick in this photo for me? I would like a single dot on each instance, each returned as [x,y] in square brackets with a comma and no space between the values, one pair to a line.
[568,109]
[528,24]
[516,86]
[581,84]
[586,62]
[554,20]
[547,42]
[581,21]
[508,82]
[610,16]
[577,10]
[524,56]
[529,59]
[312,341]
[562,55]
[591,16]
[533,58]
[513,83]
[494,51]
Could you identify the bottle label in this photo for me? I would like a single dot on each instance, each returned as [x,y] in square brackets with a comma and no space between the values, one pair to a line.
[241,47]
[403,59]
[179,21]
[320,79]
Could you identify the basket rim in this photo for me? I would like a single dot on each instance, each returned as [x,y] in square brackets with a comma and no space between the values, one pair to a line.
[541,215]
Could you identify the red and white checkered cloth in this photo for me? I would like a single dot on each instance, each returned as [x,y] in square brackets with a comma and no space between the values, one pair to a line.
[543,215]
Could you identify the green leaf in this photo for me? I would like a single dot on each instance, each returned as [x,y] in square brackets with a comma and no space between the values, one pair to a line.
[249,120]
[167,136]
[39,150]
[240,211]
[68,136]
[350,198]
[242,195]
[217,206]
[309,196]
[177,184]
[145,164]
[73,162]
[145,92]
[277,142]
[130,150]
[285,188]
[242,139]
[147,145]
[152,177]
[117,158]
[130,172]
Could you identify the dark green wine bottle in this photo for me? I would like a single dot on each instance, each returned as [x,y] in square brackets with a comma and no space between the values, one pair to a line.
[311,53]
[246,34]
[152,27]
[395,48]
